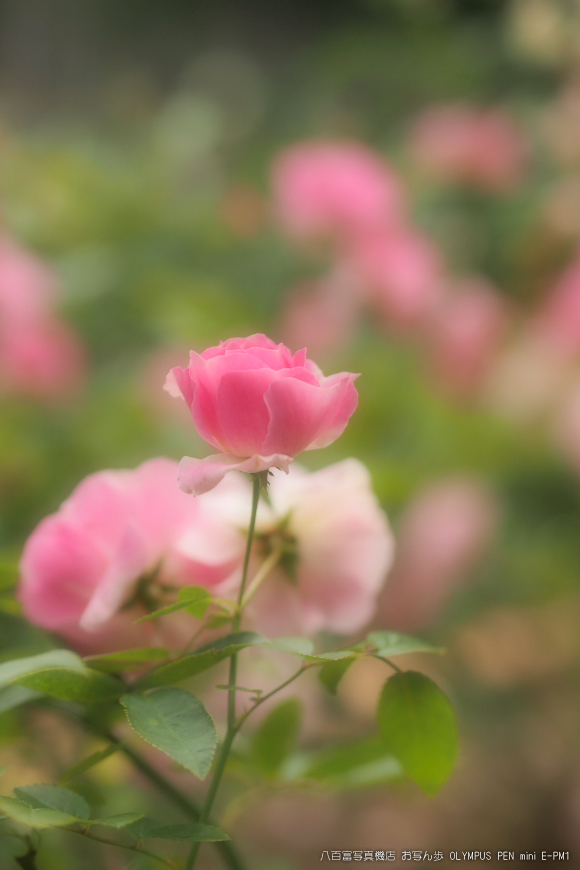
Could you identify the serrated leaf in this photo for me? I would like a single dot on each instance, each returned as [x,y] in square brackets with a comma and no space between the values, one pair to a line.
[125,659]
[200,660]
[86,687]
[276,737]
[54,797]
[120,820]
[300,646]
[331,673]
[189,833]
[177,723]
[194,599]
[88,763]
[391,643]
[417,724]
[34,818]
[353,765]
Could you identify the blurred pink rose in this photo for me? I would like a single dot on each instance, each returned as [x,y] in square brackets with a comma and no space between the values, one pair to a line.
[465,335]
[88,570]
[470,145]
[557,323]
[399,271]
[320,316]
[343,549]
[334,188]
[442,534]
[41,359]
[39,354]
[259,405]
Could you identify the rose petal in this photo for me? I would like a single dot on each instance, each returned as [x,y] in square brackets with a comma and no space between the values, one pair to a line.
[200,475]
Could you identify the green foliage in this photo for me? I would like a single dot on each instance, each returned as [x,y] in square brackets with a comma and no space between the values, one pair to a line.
[417,725]
[195,600]
[68,684]
[192,833]
[276,737]
[391,643]
[332,673]
[354,764]
[126,659]
[177,723]
[22,812]
[54,797]
[87,763]
[201,660]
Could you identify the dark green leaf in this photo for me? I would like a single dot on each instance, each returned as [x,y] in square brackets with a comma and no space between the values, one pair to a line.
[200,660]
[125,659]
[417,724]
[177,723]
[54,797]
[55,658]
[141,828]
[87,763]
[276,736]
[189,833]
[194,599]
[121,820]
[86,687]
[391,643]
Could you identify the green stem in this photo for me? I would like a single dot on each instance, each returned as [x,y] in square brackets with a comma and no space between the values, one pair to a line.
[261,700]
[107,842]
[231,720]
[389,663]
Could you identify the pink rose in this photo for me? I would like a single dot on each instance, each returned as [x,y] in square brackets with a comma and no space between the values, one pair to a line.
[343,547]
[87,570]
[465,335]
[320,315]
[259,405]
[41,359]
[442,534]
[557,323]
[28,287]
[462,143]
[399,271]
[334,188]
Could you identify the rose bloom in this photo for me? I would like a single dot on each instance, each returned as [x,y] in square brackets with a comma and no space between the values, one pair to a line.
[28,287]
[464,144]
[259,405]
[465,335]
[337,548]
[399,272]
[103,559]
[557,323]
[334,188]
[441,536]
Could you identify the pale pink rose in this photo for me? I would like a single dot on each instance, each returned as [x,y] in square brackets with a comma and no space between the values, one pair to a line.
[557,323]
[259,405]
[442,534]
[466,144]
[320,315]
[28,287]
[334,188]
[343,546]
[465,335]
[82,567]
[42,359]
[399,271]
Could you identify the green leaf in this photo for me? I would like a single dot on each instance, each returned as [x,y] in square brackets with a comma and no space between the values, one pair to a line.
[177,723]
[189,833]
[353,765]
[128,658]
[34,818]
[55,658]
[320,658]
[54,797]
[86,687]
[141,828]
[417,724]
[121,820]
[332,673]
[300,646]
[14,696]
[87,763]
[200,660]
[194,599]
[391,643]
[276,736]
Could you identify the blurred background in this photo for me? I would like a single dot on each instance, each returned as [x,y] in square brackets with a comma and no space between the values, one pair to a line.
[144,211]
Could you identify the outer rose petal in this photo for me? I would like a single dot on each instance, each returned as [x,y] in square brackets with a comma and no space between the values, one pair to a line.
[242,411]
[347,401]
[200,475]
